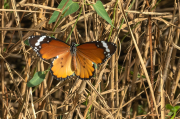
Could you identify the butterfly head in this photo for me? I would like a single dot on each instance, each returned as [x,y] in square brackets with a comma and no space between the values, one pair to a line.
[73,48]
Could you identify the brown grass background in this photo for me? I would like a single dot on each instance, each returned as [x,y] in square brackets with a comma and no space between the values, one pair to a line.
[137,82]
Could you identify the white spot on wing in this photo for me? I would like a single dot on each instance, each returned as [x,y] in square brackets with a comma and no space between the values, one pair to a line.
[55,58]
[35,49]
[39,40]
[105,46]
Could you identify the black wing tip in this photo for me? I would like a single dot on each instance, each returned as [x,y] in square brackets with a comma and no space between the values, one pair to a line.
[38,48]
[38,53]
[109,55]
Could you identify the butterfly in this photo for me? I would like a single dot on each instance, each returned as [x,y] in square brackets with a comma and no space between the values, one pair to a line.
[72,59]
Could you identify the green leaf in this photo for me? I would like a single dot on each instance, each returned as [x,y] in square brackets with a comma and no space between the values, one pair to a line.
[102,12]
[168,106]
[70,8]
[140,109]
[176,108]
[76,45]
[6,4]
[37,79]
[26,42]
[4,49]
[173,110]
[170,113]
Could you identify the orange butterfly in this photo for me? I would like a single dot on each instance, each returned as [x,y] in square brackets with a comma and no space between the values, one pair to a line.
[71,59]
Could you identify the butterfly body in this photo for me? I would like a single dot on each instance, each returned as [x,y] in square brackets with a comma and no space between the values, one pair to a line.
[73,50]
[70,59]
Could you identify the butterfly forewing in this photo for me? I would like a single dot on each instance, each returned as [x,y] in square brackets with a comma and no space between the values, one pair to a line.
[47,47]
[97,51]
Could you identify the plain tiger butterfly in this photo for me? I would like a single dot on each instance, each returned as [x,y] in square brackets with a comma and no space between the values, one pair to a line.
[70,59]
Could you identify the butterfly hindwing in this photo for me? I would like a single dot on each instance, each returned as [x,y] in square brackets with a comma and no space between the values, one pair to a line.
[85,67]
[97,51]
[61,66]
[47,47]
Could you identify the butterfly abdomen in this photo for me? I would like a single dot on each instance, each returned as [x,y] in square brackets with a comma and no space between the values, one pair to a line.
[73,63]
[73,50]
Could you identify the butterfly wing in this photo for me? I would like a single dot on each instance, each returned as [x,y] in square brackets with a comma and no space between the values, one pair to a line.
[87,53]
[85,67]
[97,51]
[61,66]
[47,47]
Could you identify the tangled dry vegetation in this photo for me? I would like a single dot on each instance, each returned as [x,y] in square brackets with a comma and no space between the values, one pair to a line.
[140,79]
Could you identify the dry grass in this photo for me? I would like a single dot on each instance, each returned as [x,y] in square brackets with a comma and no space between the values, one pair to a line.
[137,82]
